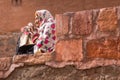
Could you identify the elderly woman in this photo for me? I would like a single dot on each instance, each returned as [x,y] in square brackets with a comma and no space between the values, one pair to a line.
[46,30]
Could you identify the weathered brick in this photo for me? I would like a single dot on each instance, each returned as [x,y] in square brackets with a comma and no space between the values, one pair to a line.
[62,24]
[32,59]
[1,74]
[69,50]
[11,69]
[107,19]
[118,41]
[82,22]
[102,48]
[5,63]
[8,44]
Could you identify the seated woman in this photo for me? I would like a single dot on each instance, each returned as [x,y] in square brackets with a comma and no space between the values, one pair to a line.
[46,29]
[43,36]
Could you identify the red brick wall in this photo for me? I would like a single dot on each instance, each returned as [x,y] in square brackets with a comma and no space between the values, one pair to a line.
[88,34]
[14,17]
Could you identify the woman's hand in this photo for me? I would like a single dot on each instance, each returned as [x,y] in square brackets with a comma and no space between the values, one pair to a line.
[35,37]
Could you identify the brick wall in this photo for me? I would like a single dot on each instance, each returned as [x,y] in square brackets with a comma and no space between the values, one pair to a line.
[8,44]
[85,39]
[88,34]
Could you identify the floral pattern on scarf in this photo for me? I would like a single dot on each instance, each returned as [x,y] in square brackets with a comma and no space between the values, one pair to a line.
[46,31]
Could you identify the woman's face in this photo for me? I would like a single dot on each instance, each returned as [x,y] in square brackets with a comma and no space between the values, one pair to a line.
[37,23]
[38,20]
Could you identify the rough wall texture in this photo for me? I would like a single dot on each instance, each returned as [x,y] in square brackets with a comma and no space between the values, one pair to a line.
[96,32]
[13,17]
[8,44]
[85,40]
[42,72]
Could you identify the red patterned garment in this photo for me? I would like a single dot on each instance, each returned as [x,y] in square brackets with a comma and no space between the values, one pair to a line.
[46,31]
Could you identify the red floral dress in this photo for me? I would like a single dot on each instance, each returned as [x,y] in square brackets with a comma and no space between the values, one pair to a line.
[46,39]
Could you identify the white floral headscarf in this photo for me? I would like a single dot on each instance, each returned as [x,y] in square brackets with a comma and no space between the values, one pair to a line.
[46,31]
[44,14]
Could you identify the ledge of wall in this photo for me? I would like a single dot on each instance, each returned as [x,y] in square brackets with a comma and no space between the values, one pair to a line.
[9,64]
